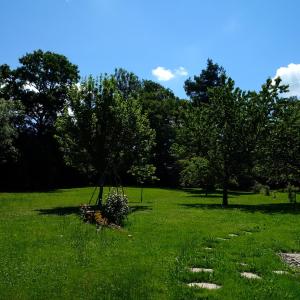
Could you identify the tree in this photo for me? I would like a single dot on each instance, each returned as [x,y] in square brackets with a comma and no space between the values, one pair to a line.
[42,83]
[100,130]
[197,88]
[164,111]
[197,171]
[143,173]
[10,115]
[278,151]
[214,132]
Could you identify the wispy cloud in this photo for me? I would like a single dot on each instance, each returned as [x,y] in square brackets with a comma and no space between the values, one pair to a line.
[290,75]
[164,74]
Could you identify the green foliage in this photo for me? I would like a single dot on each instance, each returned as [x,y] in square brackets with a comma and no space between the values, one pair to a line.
[42,83]
[143,173]
[10,115]
[278,152]
[164,111]
[101,132]
[116,208]
[197,172]
[198,88]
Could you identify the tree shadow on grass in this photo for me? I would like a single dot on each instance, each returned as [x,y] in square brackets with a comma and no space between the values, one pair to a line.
[69,210]
[137,208]
[60,211]
[216,194]
[272,208]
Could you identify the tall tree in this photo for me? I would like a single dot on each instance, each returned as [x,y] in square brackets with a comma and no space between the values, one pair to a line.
[43,81]
[164,110]
[101,130]
[10,117]
[197,88]
[278,150]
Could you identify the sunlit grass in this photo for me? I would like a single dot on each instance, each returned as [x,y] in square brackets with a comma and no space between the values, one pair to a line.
[48,253]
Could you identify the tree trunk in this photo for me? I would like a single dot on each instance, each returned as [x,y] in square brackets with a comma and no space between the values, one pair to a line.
[100,197]
[142,190]
[225,192]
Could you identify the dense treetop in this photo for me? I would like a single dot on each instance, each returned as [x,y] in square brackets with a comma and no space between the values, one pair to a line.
[59,130]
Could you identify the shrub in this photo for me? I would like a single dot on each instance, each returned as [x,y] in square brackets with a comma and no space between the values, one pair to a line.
[266,190]
[116,208]
[262,189]
[257,188]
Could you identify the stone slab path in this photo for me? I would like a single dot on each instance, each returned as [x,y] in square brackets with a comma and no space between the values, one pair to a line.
[250,275]
[292,259]
[199,270]
[204,285]
[281,272]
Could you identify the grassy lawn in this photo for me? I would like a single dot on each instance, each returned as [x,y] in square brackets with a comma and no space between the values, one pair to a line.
[48,253]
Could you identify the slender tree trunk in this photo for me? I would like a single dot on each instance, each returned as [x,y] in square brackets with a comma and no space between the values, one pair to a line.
[142,190]
[225,191]
[100,195]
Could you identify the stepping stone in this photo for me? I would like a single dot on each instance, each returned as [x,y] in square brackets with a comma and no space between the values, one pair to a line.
[250,275]
[292,259]
[281,272]
[232,235]
[221,239]
[198,270]
[207,248]
[204,285]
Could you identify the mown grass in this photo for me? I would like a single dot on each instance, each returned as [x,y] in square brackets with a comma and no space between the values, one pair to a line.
[48,253]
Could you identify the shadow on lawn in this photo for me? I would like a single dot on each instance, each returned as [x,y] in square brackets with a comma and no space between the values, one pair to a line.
[273,208]
[216,194]
[68,210]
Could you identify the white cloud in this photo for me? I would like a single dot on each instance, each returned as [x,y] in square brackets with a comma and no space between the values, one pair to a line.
[181,71]
[290,75]
[163,74]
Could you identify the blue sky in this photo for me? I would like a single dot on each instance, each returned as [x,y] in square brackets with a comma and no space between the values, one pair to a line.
[163,40]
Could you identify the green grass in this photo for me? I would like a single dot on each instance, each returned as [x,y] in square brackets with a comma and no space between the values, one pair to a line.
[48,253]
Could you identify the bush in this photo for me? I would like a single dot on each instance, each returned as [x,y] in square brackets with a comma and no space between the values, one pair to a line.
[266,190]
[262,189]
[257,188]
[116,208]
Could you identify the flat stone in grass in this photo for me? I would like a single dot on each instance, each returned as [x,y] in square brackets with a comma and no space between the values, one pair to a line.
[207,248]
[232,235]
[250,275]
[293,259]
[204,285]
[199,270]
[280,272]
[221,239]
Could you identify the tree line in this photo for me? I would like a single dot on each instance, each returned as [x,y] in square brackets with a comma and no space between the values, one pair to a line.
[59,130]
